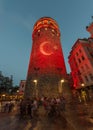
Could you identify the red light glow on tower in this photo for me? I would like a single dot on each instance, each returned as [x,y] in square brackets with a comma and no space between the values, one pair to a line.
[46,63]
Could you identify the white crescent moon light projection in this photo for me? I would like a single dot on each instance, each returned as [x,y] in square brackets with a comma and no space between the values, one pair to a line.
[43,51]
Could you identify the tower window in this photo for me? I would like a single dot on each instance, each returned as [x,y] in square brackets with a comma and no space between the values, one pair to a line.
[57,34]
[52,30]
[48,22]
[39,30]
[38,34]
[45,28]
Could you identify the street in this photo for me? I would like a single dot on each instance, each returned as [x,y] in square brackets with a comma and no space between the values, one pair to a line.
[12,122]
[76,117]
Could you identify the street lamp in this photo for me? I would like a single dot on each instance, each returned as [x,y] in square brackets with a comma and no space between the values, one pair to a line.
[17,94]
[36,90]
[84,94]
[17,91]
[62,80]
[82,84]
[60,86]
[3,96]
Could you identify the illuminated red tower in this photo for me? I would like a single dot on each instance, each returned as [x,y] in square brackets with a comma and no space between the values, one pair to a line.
[46,66]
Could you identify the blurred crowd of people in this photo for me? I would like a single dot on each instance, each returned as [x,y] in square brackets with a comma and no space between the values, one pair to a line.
[52,106]
[7,106]
[30,107]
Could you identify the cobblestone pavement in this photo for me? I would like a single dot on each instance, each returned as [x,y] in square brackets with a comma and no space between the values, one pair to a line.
[76,117]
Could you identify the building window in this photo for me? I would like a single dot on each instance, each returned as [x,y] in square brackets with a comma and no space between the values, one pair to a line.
[79,60]
[86,78]
[74,61]
[77,53]
[90,50]
[87,48]
[91,53]
[83,58]
[80,50]
[81,80]
[82,68]
[23,85]
[91,76]
[79,73]
[87,67]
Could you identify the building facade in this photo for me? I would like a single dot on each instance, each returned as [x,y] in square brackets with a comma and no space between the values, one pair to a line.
[22,86]
[81,61]
[46,65]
